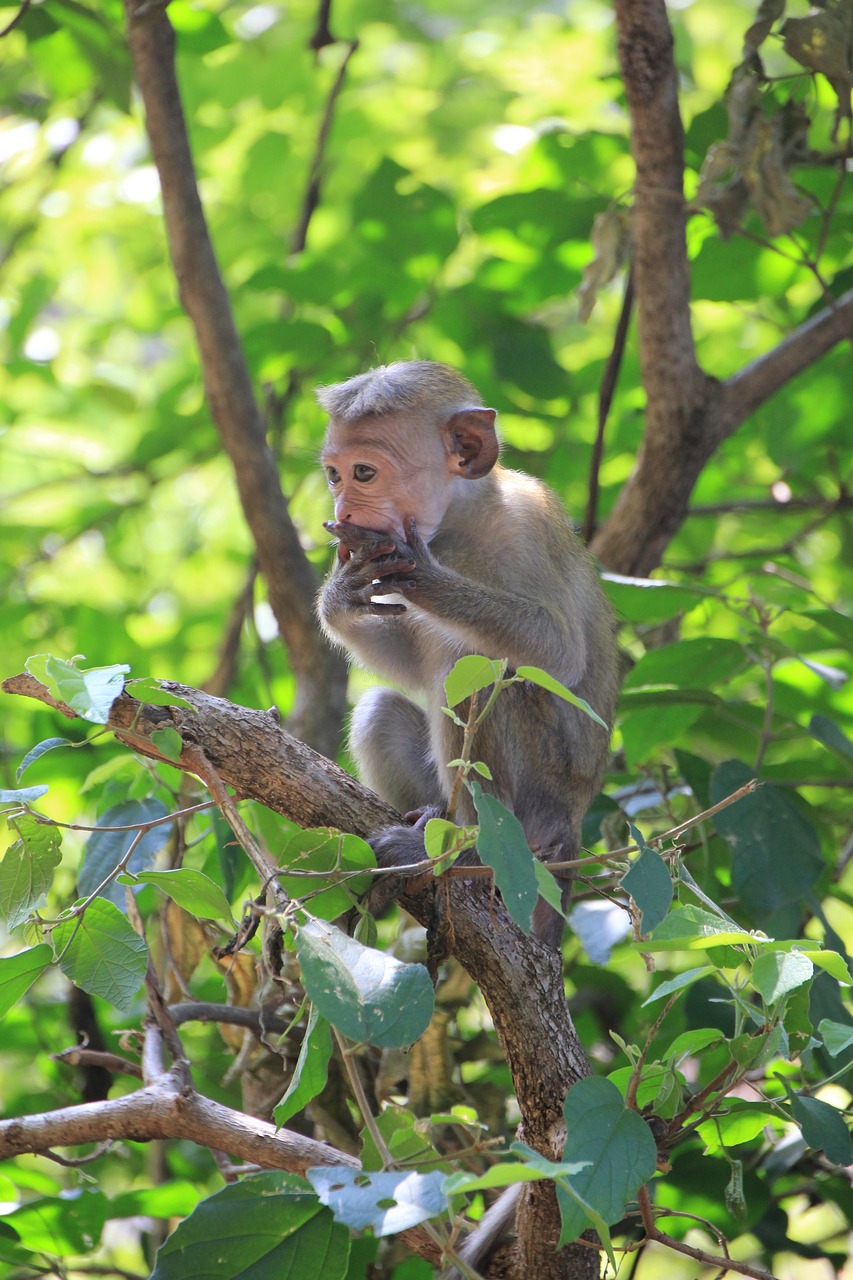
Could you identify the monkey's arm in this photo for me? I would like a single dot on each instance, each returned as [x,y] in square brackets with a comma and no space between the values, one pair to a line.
[534,627]
[378,634]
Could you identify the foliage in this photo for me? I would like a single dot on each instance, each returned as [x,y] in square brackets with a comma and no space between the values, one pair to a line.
[463,178]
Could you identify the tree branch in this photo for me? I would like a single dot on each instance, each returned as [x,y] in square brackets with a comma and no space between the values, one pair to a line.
[688,413]
[520,978]
[747,390]
[291,581]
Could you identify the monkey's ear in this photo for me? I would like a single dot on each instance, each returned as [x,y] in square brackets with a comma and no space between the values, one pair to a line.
[474,443]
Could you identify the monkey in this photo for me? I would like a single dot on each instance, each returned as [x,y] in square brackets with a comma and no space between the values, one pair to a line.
[444,552]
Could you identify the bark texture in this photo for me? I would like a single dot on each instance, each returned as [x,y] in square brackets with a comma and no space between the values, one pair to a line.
[292,584]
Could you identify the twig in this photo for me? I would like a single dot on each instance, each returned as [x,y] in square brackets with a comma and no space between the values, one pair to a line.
[10,26]
[79,1057]
[312,190]
[231,1015]
[672,834]
[634,1081]
[725,1264]
[605,400]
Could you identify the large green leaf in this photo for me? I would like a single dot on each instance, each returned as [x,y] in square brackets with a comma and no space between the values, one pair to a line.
[101,953]
[191,889]
[619,1147]
[502,845]
[776,854]
[823,1128]
[106,850]
[649,883]
[266,1227]
[367,994]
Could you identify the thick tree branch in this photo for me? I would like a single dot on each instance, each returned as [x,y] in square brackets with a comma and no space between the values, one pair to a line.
[520,978]
[746,390]
[688,413]
[291,581]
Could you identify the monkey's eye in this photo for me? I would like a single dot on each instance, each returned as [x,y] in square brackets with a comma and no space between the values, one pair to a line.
[333,475]
[362,472]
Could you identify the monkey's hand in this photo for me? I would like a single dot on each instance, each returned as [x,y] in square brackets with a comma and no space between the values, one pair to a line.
[415,573]
[366,558]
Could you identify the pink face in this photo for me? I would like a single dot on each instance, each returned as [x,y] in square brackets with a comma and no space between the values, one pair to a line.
[381,473]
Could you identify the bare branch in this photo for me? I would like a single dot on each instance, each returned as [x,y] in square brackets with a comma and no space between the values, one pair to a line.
[746,390]
[291,581]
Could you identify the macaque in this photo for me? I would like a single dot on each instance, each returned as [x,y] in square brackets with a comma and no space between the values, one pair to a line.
[444,552]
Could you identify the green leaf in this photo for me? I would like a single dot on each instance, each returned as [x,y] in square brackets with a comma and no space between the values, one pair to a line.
[101,953]
[548,886]
[537,676]
[691,928]
[311,1070]
[106,850]
[702,661]
[192,890]
[650,600]
[21,795]
[619,1147]
[168,742]
[502,845]
[18,973]
[267,1226]
[26,872]
[444,840]
[324,850]
[691,1042]
[36,752]
[775,973]
[90,693]
[672,985]
[370,997]
[650,885]
[776,853]
[507,1174]
[828,732]
[832,962]
[471,674]
[745,1121]
[823,1128]
[837,1036]
[155,694]
[386,1202]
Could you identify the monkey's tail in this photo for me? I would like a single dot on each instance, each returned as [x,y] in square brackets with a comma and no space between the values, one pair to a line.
[495,1224]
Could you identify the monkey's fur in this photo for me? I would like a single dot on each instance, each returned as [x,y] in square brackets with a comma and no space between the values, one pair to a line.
[493,566]
[477,559]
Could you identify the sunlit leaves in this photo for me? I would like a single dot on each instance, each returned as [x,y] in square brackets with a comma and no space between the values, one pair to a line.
[90,693]
[386,1202]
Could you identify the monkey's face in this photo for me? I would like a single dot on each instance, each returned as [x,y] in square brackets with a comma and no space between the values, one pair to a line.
[382,472]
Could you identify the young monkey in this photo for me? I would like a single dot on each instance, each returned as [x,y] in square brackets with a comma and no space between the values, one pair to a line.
[475,559]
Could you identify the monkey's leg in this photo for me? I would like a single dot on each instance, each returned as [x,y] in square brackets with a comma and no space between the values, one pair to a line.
[389,738]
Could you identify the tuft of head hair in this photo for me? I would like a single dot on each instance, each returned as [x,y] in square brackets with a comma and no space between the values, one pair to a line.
[423,388]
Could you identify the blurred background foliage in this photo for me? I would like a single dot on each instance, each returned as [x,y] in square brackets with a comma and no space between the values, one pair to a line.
[471,148]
